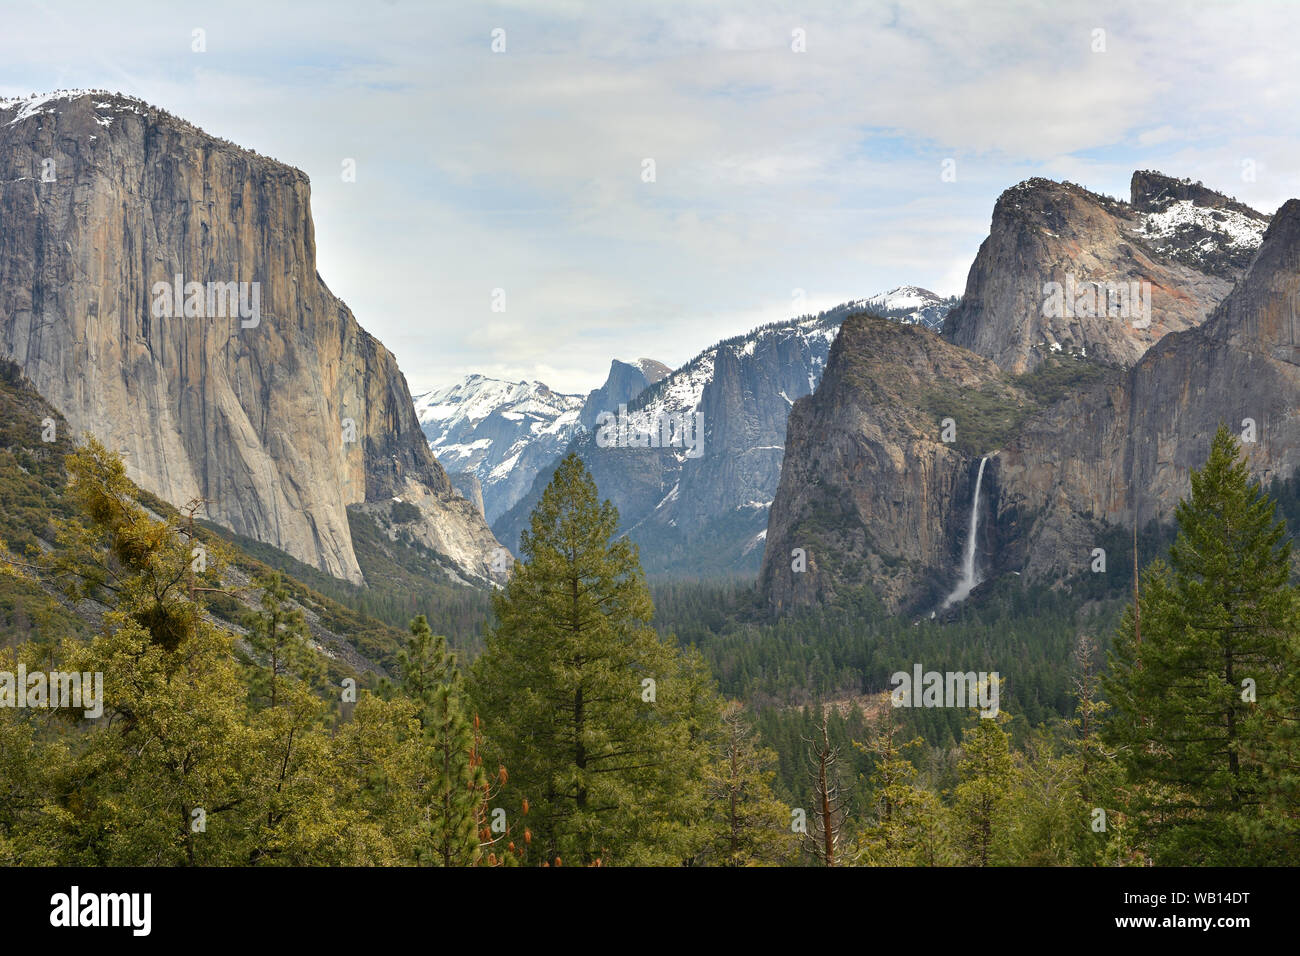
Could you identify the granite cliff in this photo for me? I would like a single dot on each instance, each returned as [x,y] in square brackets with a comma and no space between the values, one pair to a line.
[1177,247]
[281,415]
[1077,448]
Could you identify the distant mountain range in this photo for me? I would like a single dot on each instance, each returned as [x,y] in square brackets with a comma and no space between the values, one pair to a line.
[708,515]
[496,436]
[295,428]
[494,430]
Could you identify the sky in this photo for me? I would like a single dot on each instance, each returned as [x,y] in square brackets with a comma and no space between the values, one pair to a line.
[541,187]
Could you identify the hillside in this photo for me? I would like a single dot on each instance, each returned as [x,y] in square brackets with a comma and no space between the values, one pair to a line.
[32,479]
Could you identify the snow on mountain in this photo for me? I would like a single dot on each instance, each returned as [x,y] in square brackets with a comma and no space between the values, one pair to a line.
[651,369]
[501,432]
[45,104]
[910,305]
[1216,228]
[701,507]
[682,391]
[1193,224]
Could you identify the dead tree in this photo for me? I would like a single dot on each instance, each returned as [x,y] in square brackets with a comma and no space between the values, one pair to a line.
[823,837]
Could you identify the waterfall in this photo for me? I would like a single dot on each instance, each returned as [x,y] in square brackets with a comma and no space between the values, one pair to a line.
[966,583]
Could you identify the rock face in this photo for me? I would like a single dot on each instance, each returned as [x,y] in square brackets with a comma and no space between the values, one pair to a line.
[1195,225]
[706,515]
[626,380]
[870,494]
[467,486]
[1108,453]
[1177,247]
[281,418]
[878,504]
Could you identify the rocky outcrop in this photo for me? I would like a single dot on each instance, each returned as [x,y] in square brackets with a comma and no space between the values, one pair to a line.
[468,487]
[280,416]
[1195,225]
[870,492]
[626,380]
[1110,454]
[879,505]
[1124,274]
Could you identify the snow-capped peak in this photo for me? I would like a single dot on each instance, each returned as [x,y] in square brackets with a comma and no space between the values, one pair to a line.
[904,297]
[487,426]
[1234,228]
[476,397]
[910,305]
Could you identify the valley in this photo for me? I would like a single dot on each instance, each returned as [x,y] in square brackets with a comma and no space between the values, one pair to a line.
[986,490]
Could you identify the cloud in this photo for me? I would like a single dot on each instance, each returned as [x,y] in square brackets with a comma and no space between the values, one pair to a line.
[774,169]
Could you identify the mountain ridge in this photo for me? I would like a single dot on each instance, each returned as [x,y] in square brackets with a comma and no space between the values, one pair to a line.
[1077,450]
[708,516]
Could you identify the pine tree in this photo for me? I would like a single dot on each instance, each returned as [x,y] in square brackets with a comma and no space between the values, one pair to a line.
[382,772]
[431,679]
[749,826]
[982,797]
[907,824]
[1278,824]
[580,697]
[830,801]
[1091,766]
[279,639]
[1200,701]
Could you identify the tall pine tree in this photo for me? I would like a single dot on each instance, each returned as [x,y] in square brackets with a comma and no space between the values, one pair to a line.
[982,798]
[750,826]
[279,638]
[1198,701]
[430,678]
[908,824]
[598,720]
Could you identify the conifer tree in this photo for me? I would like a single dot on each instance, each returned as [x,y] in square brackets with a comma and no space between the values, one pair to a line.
[382,773]
[907,824]
[279,638]
[749,825]
[431,678]
[982,797]
[581,699]
[829,798]
[1277,825]
[1200,701]
[1092,766]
